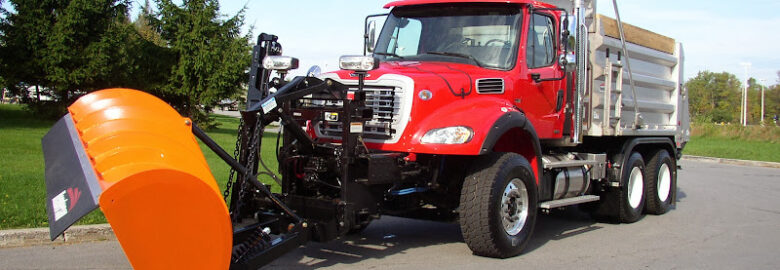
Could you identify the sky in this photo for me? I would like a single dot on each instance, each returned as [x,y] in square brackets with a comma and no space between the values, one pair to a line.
[716,35]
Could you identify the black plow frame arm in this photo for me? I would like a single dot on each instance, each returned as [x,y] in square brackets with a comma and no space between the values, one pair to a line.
[265,249]
[211,144]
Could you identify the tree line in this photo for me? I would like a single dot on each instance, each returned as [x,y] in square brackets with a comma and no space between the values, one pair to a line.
[717,97]
[53,51]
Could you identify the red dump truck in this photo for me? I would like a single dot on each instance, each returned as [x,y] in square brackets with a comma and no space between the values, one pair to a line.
[483,113]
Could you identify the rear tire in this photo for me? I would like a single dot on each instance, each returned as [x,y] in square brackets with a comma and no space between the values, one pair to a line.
[625,204]
[498,205]
[661,183]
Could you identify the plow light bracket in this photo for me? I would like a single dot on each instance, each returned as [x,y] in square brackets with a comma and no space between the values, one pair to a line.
[360,63]
[280,63]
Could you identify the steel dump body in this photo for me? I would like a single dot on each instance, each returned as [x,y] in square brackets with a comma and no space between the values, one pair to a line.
[658,78]
[657,66]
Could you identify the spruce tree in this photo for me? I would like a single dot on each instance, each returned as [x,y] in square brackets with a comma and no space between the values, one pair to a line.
[211,54]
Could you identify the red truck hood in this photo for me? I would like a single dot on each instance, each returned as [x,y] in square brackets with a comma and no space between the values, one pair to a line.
[448,78]
[455,102]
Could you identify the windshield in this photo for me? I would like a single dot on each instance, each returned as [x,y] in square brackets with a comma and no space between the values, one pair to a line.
[482,35]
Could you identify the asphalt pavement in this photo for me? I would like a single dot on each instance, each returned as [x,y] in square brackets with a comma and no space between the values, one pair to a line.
[726,217]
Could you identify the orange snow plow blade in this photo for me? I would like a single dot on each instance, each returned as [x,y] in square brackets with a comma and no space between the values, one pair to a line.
[135,157]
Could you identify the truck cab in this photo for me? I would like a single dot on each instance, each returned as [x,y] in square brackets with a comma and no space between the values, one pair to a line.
[465,65]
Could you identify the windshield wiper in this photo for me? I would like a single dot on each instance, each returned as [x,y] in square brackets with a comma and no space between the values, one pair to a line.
[389,54]
[461,55]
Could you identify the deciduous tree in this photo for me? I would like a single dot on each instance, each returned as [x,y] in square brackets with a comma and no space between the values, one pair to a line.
[772,101]
[714,96]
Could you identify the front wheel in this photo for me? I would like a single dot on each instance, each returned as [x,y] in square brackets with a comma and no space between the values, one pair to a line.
[498,205]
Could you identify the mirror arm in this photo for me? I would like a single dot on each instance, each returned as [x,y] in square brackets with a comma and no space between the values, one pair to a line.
[538,78]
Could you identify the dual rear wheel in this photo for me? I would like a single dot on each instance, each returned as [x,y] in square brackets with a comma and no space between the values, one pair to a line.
[661,187]
[646,186]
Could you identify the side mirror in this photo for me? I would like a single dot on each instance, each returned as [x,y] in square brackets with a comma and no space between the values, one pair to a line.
[370,36]
[568,62]
[369,32]
[314,71]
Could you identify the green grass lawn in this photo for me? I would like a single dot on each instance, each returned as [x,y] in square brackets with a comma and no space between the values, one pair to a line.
[735,142]
[733,149]
[22,188]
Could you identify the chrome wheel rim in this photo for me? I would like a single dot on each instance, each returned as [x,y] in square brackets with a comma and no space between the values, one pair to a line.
[514,206]
[664,182]
[635,187]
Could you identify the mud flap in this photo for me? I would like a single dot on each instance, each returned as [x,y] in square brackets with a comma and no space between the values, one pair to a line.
[136,158]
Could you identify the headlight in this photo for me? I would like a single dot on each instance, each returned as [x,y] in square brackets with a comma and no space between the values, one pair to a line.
[358,62]
[448,135]
[273,62]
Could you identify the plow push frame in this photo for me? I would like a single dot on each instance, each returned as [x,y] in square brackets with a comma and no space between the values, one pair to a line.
[264,225]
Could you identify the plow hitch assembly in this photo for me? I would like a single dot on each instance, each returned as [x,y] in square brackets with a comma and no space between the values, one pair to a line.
[133,156]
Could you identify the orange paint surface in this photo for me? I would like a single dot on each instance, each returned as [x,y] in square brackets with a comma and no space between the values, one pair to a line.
[158,192]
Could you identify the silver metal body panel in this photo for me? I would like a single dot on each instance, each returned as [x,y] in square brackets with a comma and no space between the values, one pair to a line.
[661,100]
[659,91]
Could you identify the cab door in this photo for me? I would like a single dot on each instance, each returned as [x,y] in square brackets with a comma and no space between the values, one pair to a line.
[542,92]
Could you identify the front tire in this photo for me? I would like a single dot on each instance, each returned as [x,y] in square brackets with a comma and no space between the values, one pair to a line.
[498,205]
[661,182]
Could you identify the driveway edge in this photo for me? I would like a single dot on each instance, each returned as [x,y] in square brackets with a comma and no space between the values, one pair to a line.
[101,232]
[40,236]
[753,163]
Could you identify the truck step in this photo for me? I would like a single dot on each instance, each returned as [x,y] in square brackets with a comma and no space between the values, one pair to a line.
[568,201]
[570,163]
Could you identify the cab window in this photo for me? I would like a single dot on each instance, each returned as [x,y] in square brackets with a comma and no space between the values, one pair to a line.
[406,38]
[540,50]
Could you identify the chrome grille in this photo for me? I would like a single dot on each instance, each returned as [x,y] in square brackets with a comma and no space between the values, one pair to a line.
[386,104]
